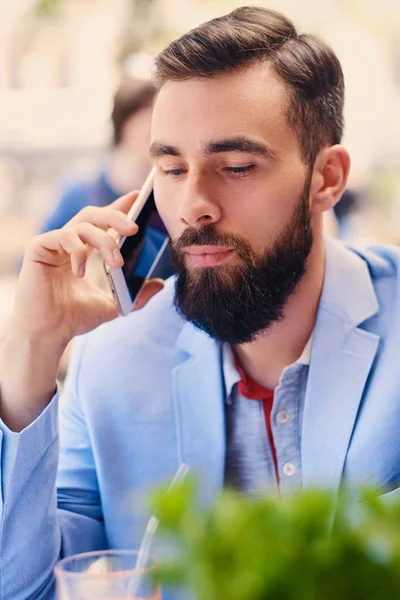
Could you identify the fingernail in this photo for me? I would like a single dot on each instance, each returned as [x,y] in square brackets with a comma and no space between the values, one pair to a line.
[131,224]
[81,271]
[117,256]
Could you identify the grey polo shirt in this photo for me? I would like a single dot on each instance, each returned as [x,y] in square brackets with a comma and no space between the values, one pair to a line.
[249,464]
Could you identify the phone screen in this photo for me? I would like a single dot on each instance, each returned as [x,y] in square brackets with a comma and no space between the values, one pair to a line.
[140,251]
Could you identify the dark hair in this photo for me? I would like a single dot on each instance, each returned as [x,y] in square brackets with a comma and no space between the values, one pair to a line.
[308,67]
[131,96]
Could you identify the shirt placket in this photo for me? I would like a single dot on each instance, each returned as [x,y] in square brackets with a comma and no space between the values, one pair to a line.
[285,424]
[249,464]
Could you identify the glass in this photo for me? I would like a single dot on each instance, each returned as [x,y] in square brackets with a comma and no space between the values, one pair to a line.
[104,575]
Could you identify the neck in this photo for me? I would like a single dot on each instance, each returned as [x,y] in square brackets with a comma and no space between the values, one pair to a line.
[127,171]
[264,359]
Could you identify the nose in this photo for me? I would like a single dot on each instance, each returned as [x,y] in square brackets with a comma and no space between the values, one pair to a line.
[197,206]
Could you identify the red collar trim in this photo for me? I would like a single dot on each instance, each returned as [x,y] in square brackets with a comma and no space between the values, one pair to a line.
[249,388]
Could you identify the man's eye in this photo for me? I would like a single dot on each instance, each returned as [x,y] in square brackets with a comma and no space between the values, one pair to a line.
[173,172]
[240,171]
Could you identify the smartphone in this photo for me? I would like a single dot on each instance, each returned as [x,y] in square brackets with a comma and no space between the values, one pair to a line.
[146,254]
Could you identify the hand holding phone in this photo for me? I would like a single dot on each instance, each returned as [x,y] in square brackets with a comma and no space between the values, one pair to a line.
[54,302]
[146,254]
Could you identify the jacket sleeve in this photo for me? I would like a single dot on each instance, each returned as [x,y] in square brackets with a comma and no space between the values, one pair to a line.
[38,523]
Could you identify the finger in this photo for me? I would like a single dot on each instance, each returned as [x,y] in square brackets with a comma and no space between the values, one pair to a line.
[73,239]
[99,240]
[79,259]
[149,289]
[105,218]
[48,247]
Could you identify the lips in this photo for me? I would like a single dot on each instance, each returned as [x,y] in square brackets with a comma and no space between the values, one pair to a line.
[207,256]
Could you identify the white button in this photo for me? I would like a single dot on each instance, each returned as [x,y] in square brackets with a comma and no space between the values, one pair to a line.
[289,469]
[283,416]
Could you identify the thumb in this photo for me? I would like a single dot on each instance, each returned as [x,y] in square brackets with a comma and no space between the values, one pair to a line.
[149,289]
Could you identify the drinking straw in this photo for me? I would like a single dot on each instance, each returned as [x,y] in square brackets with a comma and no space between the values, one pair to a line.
[150,530]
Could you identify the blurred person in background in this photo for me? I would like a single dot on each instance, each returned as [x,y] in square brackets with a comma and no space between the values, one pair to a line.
[270,363]
[128,162]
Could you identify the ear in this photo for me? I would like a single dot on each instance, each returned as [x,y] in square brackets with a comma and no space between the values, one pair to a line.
[329,178]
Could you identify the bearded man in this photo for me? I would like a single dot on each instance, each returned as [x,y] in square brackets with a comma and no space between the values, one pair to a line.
[270,361]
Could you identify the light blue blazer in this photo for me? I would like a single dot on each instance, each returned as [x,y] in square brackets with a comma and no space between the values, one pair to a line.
[146,392]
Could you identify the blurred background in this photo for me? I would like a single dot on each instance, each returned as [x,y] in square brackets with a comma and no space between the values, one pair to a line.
[61,62]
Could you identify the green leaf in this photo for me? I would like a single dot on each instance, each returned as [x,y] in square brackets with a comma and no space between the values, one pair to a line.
[295,548]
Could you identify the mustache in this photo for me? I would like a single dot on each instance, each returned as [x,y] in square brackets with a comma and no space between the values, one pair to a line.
[208,235]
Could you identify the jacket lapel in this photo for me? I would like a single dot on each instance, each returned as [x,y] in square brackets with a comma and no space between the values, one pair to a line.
[341,359]
[198,391]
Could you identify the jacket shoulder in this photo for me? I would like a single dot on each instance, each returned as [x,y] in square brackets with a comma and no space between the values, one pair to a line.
[383,260]
[383,263]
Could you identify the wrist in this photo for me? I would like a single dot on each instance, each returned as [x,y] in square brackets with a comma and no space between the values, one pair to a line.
[28,372]
[19,337]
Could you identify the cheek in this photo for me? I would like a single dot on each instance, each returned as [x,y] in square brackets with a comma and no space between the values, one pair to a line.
[261,215]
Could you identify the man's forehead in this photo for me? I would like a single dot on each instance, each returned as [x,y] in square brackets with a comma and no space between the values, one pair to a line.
[257,85]
[248,102]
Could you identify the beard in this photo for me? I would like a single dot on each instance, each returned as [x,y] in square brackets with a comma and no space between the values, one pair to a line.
[236,303]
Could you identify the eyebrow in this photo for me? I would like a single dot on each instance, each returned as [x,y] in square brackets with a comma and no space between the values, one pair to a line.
[241,143]
[158,149]
[231,144]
